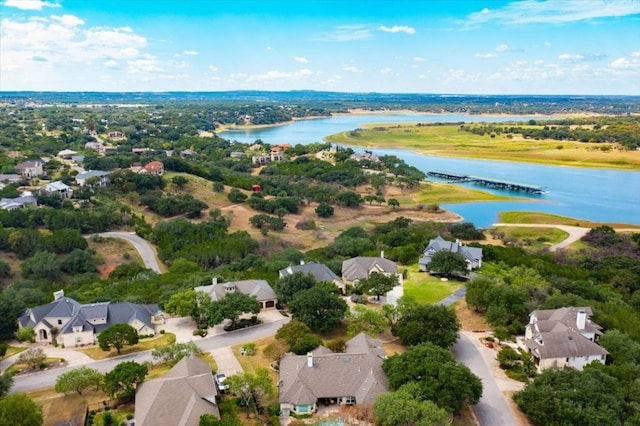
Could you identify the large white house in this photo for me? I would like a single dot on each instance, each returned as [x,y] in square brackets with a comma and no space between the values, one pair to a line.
[71,324]
[564,338]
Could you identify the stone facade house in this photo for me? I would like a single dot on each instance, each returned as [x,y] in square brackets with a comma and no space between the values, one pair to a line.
[564,338]
[258,288]
[472,255]
[178,398]
[359,268]
[72,324]
[323,377]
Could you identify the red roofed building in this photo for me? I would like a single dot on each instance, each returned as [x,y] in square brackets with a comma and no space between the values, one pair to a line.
[154,168]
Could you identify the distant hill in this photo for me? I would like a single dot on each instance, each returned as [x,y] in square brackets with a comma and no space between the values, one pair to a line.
[341,101]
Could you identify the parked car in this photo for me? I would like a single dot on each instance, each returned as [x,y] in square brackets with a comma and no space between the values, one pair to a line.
[220,381]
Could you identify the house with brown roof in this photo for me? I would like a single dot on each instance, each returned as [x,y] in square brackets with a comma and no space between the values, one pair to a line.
[359,268]
[564,338]
[154,168]
[260,289]
[178,398]
[323,377]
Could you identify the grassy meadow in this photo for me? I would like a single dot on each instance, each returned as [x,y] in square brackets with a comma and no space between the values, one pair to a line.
[449,141]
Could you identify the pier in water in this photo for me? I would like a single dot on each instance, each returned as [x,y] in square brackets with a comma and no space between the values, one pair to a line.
[493,183]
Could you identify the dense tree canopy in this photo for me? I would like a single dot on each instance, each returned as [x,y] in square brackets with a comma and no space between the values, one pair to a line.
[435,324]
[318,308]
[117,336]
[407,407]
[231,306]
[448,264]
[19,409]
[79,380]
[121,382]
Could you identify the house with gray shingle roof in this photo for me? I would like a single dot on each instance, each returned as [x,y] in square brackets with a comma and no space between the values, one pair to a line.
[72,324]
[473,255]
[178,398]
[18,202]
[102,177]
[258,288]
[327,378]
[359,268]
[564,338]
[58,187]
[319,271]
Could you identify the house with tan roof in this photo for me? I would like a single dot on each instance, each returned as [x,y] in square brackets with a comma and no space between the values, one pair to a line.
[178,398]
[359,268]
[258,288]
[323,377]
[564,338]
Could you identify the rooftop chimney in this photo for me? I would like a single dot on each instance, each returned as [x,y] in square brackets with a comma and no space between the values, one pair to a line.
[382,254]
[214,280]
[581,319]
[309,359]
[302,262]
[58,294]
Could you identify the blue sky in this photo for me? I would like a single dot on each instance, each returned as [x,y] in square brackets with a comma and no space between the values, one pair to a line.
[465,47]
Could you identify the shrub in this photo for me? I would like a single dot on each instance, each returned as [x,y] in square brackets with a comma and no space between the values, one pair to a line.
[26,334]
[249,349]
[358,298]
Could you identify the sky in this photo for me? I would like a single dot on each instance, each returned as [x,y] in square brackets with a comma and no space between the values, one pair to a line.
[576,47]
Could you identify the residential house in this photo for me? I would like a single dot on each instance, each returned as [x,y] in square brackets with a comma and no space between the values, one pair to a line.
[367,156]
[30,169]
[472,255]
[66,154]
[140,150]
[10,178]
[258,288]
[102,178]
[238,155]
[187,153]
[72,324]
[178,398]
[359,268]
[564,338]
[323,377]
[260,160]
[319,271]
[96,146]
[21,202]
[59,188]
[154,168]
[116,135]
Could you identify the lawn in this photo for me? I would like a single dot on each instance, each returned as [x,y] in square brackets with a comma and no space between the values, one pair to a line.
[12,350]
[532,238]
[546,218]
[424,288]
[144,345]
[450,141]
[441,193]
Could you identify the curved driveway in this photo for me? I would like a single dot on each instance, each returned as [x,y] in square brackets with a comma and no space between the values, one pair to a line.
[146,250]
[575,232]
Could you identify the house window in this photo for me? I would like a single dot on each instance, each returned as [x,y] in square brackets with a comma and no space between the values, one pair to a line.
[59,322]
[567,359]
[602,357]
[303,408]
[350,400]
[78,340]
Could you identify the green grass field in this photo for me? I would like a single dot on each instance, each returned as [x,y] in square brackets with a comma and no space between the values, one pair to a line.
[450,141]
[534,217]
[426,289]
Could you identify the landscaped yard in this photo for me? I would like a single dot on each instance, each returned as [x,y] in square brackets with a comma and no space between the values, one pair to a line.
[425,288]
[144,344]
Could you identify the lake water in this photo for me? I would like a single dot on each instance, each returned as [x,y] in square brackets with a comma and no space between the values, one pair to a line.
[590,194]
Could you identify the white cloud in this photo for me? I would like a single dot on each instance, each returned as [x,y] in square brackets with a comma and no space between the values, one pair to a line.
[502,48]
[268,48]
[68,20]
[637,53]
[111,63]
[571,57]
[554,11]
[147,63]
[397,29]
[385,70]
[278,75]
[213,68]
[486,55]
[418,59]
[346,33]
[350,68]
[301,59]
[29,4]
[624,63]
[189,52]
[547,43]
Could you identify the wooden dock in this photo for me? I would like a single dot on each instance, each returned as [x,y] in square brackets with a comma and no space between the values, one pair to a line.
[493,183]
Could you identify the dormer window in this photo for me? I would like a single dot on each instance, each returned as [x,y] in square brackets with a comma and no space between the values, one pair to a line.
[77,328]
[229,288]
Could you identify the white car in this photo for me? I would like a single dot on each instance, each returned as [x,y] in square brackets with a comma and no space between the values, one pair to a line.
[220,381]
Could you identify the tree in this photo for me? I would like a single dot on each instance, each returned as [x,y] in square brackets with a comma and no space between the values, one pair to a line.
[306,344]
[121,382]
[237,196]
[174,352]
[406,407]
[19,409]
[231,306]
[79,380]
[292,331]
[3,349]
[6,381]
[287,286]
[622,349]
[179,181]
[392,202]
[377,284]
[185,303]
[42,265]
[466,231]
[365,320]
[255,390]
[33,357]
[560,397]
[26,334]
[324,210]
[437,375]
[117,336]
[476,290]
[320,309]
[349,199]
[435,324]
[448,264]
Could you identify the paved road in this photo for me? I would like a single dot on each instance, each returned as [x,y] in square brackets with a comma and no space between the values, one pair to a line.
[48,378]
[146,250]
[492,409]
